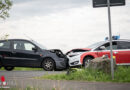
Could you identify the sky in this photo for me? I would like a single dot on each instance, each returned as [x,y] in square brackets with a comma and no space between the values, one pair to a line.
[64,24]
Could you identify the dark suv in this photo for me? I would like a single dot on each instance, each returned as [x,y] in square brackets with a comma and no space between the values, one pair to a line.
[24,53]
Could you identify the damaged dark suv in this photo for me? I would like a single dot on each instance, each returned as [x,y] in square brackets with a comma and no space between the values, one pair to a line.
[25,53]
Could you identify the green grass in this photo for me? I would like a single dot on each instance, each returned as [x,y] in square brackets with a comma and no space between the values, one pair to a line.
[24,69]
[122,74]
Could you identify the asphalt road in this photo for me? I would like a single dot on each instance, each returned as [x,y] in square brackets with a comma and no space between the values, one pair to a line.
[24,79]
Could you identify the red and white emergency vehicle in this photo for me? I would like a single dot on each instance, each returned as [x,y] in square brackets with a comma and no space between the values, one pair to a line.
[82,56]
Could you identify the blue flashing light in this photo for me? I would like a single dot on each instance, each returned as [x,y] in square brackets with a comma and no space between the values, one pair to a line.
[113,38]
[106,38]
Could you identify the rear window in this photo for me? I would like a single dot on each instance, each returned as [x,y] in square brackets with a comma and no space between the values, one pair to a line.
[5,44]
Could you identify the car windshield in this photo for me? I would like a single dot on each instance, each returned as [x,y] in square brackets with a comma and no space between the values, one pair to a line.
[39,45]
[95,45]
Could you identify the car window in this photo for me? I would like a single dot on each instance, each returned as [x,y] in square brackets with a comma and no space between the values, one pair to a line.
[107,46]
[5,44]
[123,45]
[23,45]
[114,46]
[95,45]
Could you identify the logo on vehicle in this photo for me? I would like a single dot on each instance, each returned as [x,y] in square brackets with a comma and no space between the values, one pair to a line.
[3,83]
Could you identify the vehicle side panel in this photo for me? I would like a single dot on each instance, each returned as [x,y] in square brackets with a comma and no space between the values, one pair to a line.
[93,54]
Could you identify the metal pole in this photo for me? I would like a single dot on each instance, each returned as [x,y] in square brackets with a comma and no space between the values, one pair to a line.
[110,38]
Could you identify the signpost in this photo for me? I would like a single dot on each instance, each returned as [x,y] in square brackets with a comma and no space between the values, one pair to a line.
[108,3]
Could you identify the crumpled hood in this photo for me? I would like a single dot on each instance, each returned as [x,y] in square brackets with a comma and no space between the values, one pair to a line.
[84,49]
[58,52]
[79,50]
[55,50]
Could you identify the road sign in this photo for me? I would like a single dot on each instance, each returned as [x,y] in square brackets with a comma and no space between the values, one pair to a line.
[103,3]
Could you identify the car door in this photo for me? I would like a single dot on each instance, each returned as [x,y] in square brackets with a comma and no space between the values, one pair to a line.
[24,54]
[123,53]
[106,50]
[6,53]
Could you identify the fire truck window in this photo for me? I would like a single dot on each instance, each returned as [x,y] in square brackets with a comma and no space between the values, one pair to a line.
[114,46]
[123,45]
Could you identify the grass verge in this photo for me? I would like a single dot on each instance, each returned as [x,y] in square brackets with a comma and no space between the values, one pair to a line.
[122,74]
[25,69]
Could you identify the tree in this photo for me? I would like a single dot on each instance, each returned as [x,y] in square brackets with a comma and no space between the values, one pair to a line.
[5,37]
[5,6]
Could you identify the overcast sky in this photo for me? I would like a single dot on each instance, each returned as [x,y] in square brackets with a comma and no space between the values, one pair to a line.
[64,24]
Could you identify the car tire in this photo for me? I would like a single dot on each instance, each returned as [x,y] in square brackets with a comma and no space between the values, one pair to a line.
[48,64]
[9,68]
[86,62]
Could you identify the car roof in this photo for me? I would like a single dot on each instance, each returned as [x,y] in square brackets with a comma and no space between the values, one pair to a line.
[16,39]
[120,40]
[13,39]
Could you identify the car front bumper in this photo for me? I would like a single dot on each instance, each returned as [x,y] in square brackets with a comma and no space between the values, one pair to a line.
[62,63]
[74,61]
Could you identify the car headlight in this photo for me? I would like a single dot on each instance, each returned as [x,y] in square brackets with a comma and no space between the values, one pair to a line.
[72,55]
[74,63]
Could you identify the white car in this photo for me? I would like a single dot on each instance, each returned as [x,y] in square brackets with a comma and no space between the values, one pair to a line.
[74,56]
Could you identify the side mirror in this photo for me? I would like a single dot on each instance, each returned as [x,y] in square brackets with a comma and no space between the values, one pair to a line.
[34,49]
[102,48]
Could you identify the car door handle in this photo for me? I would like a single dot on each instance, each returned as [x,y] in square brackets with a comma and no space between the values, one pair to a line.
[115,52]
